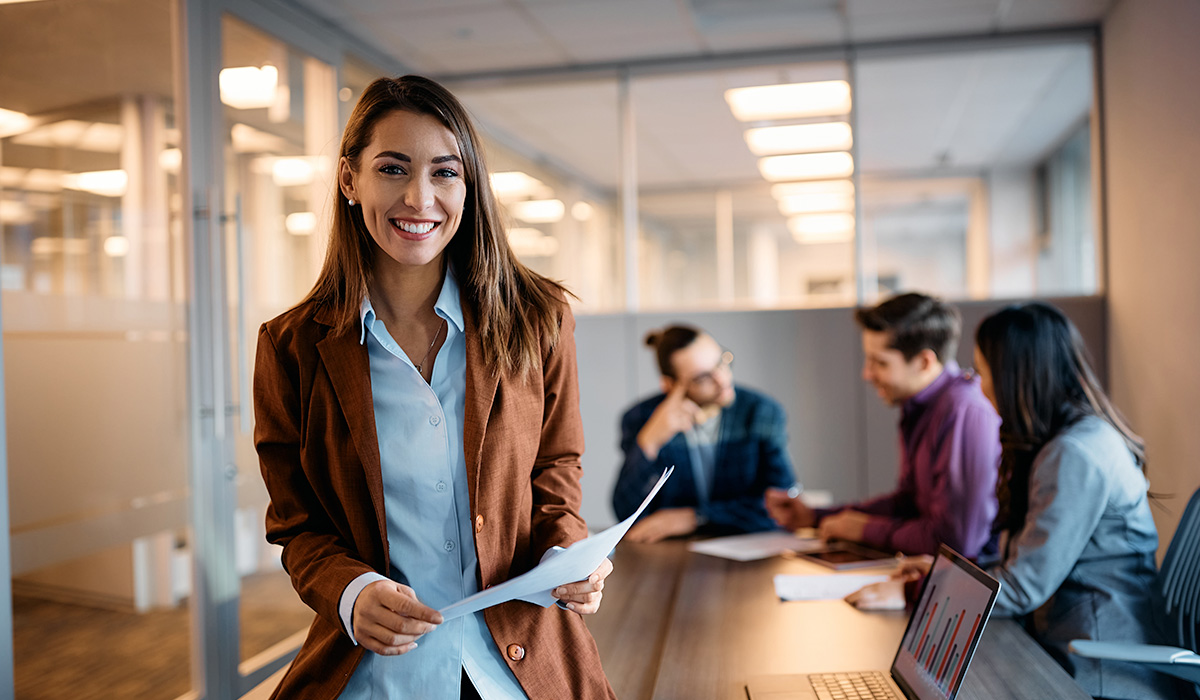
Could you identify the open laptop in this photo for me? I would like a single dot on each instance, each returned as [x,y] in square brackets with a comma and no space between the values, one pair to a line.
[934,652]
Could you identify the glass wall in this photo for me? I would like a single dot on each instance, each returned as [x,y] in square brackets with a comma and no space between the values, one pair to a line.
[558,190]
[95,349]
[280,110]
[975,172]
[964,172]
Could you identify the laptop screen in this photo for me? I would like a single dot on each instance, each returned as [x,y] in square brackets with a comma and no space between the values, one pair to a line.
[945,626]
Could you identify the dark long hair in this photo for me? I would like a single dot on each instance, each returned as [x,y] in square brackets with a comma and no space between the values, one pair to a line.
[1043,381]
[511,301]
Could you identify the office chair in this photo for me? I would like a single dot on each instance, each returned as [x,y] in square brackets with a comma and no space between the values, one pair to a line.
[1179,580]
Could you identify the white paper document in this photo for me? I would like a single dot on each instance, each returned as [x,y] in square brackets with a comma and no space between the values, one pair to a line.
[574,563]
[822,586]
[757,545]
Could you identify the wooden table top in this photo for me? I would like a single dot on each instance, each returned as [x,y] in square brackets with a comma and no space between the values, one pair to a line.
[675,624]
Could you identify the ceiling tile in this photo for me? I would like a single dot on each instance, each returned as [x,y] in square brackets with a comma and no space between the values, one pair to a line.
[596,32]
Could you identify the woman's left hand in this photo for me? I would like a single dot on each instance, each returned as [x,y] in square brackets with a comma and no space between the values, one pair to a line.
[584,596]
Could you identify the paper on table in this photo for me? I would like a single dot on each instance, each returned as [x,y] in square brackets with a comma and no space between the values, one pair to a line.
[822,586]
[574,563]
[757,545]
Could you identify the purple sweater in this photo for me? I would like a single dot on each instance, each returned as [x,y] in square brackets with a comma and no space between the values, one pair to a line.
[950,449]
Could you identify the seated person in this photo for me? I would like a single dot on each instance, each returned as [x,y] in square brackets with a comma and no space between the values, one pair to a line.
[948,437]
[728,444]
[1077,539]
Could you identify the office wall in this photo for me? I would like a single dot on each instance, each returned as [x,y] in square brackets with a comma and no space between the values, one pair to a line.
[842,439]
[1151,73]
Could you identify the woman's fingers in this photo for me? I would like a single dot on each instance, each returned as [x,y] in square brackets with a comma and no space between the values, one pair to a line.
[584,596]
[388,619]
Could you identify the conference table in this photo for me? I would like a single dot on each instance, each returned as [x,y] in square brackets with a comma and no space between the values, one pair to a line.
[676,624]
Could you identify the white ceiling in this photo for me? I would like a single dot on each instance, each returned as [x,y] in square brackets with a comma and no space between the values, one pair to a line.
[937,112]
[466,36]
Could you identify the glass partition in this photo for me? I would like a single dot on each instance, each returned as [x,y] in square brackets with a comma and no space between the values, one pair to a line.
[976,177]
[95,340]
[559,192]
[280,108]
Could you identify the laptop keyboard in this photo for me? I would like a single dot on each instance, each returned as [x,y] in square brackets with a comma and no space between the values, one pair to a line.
[867,685]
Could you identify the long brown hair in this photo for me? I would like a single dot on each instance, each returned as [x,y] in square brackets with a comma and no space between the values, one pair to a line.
[1043,382]
[512,302]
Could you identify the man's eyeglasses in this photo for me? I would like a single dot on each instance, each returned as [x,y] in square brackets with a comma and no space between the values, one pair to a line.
[707,379]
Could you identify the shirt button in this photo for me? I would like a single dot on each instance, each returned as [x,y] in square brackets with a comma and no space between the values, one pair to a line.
[478,523]
[516,652]
[448,546]
[441,486]
[434,420]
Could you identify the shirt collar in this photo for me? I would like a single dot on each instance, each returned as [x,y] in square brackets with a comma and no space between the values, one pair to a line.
[448,306]
[950,370]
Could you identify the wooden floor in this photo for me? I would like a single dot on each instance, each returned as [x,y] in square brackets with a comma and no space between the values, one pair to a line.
[83,653]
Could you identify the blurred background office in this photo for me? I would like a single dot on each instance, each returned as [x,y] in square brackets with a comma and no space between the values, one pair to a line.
[751,167]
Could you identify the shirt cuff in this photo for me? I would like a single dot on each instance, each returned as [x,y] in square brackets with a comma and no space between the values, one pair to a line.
[350,597]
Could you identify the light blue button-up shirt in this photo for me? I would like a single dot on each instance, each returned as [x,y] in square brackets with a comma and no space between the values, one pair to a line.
[430,538]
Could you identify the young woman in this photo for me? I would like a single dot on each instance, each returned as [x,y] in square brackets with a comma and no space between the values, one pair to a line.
[1077,538]
[418,429]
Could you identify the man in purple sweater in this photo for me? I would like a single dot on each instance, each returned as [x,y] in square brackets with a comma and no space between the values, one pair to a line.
[949,438]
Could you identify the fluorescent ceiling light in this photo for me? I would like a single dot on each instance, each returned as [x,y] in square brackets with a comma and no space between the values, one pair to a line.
[247,139]
[301,223]
[170,159]
[791,189]
[822,228]
[107,183]
[116,246]
[101,137]
[816,202]
[819,99]
[287,172]
[12,123]
[806,166]
[530,242]
[582,211]
[248,87]
[537,211]
[799,138]
[513,184]
[13,212]
[46,245]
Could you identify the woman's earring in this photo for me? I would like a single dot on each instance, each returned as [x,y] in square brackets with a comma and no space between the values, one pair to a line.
[350,202]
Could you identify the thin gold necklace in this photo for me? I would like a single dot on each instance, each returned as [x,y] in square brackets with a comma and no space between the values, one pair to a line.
[438,334]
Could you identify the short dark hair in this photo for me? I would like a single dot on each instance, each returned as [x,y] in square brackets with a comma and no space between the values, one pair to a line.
[667,341]
[915,322]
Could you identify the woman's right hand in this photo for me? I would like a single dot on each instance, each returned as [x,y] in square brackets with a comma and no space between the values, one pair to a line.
[388,619]
[889,595]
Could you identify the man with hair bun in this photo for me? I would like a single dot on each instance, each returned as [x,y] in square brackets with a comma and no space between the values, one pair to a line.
[728,444]
[949,439]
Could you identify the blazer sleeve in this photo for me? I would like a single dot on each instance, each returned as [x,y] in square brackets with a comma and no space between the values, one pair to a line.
[558,467]
[317,558]
[1056,529]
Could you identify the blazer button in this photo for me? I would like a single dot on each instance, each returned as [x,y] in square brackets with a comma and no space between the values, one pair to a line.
[479,525]
[516,652]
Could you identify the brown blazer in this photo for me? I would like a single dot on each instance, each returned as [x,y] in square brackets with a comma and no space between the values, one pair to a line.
[319,453]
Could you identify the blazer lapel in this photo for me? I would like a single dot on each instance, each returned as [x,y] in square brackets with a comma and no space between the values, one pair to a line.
[481,393]
[349,368]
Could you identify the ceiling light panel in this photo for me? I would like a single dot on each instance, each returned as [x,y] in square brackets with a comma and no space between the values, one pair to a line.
[799,138]
[794,100]
[807,166]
